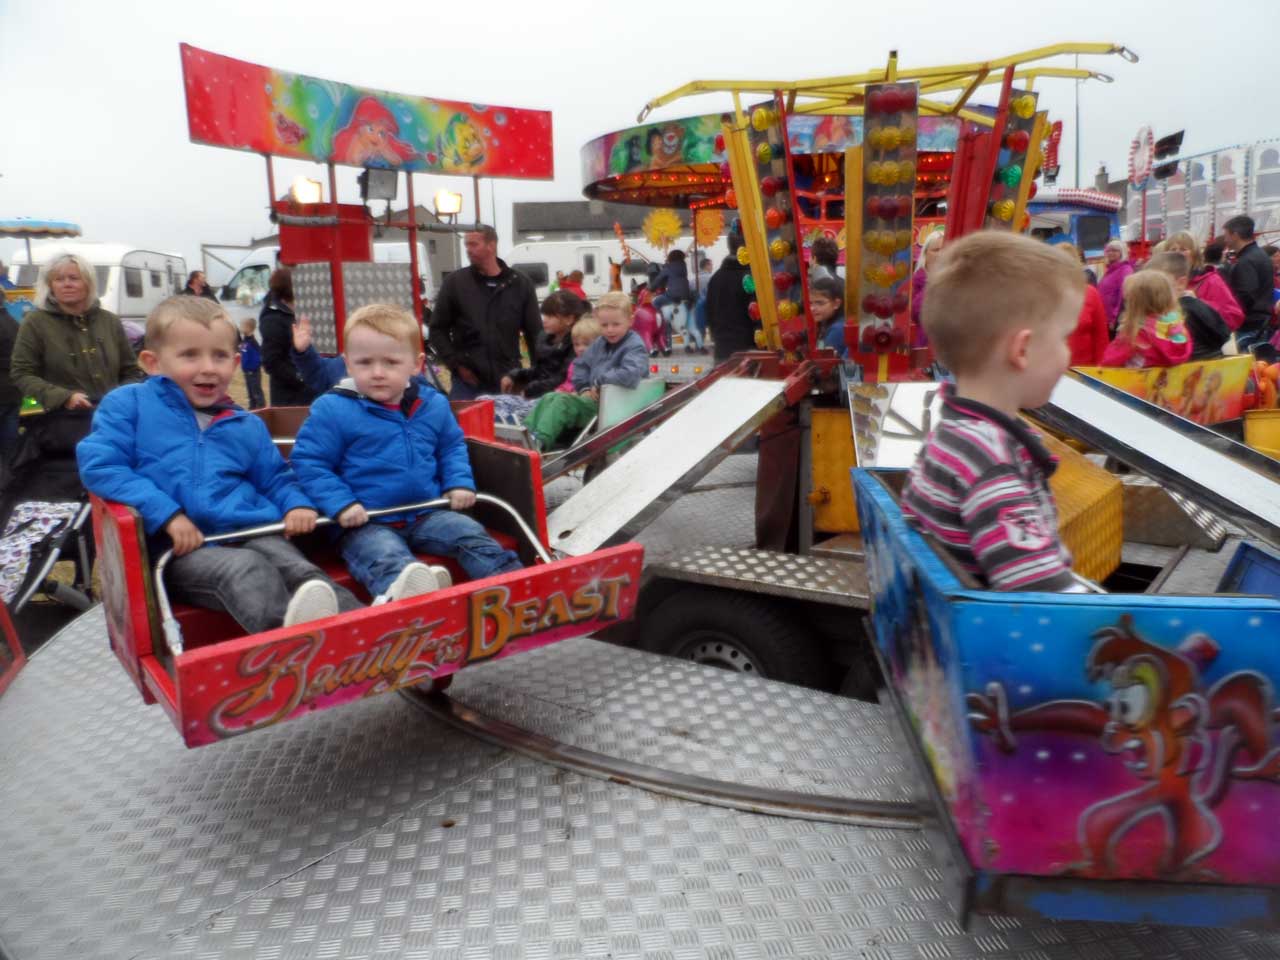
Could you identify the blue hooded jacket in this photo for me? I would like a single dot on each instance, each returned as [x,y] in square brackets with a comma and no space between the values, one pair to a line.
[354,450]
[147,450]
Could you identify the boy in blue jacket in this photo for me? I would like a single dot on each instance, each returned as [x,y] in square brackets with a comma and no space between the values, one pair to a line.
[383,438]
[193,464]
[618,356]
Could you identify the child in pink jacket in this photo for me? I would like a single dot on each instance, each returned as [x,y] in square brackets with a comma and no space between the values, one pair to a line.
[1151,331]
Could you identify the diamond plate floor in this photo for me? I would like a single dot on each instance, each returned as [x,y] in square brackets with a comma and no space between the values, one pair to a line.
[374,832]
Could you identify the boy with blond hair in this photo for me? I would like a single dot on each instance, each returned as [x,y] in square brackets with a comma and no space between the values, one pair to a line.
[384,438]
[1000,310]
[618,357]
[193,464]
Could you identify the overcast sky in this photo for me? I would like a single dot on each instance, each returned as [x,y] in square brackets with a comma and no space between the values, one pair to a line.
[95,124]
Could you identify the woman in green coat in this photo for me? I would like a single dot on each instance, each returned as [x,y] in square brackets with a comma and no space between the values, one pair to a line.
[69,350]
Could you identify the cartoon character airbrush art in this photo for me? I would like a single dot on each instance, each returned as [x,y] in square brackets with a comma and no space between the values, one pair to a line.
[1184,744]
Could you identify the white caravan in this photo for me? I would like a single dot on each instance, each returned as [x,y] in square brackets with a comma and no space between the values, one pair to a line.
[541,260]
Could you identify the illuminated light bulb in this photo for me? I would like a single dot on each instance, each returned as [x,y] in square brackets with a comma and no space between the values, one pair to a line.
[726,171]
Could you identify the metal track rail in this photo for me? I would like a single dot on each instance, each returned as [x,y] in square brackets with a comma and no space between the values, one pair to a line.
[898,815]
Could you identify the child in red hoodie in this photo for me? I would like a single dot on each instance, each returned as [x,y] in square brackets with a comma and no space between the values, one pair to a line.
[1151,331]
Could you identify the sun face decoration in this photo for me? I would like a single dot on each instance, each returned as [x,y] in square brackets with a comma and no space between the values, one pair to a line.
[662,228]
[707,226]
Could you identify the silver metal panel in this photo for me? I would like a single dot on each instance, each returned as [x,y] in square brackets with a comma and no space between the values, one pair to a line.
[696,720]
[842,582]
[655,472]
[114,836]
[313,298]
[372,831]
[524,861]
[1204,466]
[363,283]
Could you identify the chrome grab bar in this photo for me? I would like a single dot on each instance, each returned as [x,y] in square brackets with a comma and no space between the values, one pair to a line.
[169,624]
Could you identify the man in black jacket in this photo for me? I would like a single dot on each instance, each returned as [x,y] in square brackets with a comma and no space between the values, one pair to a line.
[732,329]
[479,317]
[1251,279]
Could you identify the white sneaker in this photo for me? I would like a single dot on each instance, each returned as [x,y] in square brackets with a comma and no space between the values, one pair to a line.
[314,600]
[415,580]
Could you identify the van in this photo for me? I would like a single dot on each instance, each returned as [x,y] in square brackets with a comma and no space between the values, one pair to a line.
[243,294]
[131,282]
[541,260]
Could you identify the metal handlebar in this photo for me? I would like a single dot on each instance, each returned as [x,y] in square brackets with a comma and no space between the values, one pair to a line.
[169,624]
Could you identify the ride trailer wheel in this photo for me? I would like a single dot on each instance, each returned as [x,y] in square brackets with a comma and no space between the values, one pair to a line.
[738,632]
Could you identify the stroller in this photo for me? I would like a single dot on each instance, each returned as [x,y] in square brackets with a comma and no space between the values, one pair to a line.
[44,514]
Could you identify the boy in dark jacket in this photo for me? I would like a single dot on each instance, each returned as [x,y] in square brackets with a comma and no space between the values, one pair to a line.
[1207,328]
[618,357]
[176,449]
[385,439]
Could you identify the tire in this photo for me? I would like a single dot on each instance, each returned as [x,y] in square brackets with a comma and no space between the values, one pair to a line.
[739,632]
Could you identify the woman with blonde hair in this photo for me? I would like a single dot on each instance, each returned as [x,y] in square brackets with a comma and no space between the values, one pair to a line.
[70,351]
[1205,282]
[1111,286]
[1151,331]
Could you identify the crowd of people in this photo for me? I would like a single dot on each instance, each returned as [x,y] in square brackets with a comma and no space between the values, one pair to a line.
[129,424]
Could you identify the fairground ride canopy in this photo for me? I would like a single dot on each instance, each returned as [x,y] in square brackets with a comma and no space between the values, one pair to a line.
[245,106]
[682,162]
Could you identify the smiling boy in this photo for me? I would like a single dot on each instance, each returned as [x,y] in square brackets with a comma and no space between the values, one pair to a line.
[193,464]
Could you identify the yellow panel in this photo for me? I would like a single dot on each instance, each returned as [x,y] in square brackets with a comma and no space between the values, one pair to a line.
[1090,511]
[832,456]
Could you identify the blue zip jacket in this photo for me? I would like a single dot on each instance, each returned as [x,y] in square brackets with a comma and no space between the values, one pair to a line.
[250,354]
[354,450]
[147,450]
[625,363]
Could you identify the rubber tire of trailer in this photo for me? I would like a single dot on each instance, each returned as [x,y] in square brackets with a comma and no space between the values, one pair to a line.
[746,633]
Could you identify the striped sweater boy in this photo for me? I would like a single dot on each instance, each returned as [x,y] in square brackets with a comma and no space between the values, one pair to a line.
[980,486]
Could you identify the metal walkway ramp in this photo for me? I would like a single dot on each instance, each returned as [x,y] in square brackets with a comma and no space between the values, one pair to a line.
[662,466]
[1210,469]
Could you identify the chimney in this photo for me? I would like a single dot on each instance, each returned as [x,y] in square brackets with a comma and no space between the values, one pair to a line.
[1102,179]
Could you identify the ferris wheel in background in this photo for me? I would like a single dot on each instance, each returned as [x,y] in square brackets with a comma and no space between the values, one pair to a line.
[1142,152]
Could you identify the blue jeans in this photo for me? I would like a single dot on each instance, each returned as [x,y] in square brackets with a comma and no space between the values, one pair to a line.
[377,552]
[252,581]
